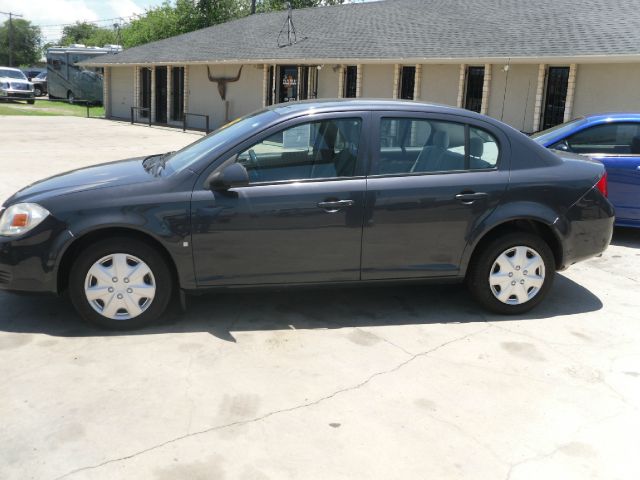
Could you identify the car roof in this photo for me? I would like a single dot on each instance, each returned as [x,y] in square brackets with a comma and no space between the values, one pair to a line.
[612,116]
[11,68]
[354,104]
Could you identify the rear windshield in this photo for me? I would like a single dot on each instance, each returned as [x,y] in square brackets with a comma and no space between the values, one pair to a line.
[12,74]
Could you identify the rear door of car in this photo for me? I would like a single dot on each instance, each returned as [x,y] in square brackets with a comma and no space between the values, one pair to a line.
[300,218]
[426,191]
[617,145]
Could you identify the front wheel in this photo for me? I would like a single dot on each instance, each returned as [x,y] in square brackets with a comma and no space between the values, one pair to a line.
[31,102]
[512,274]
[120,284]
[37,91]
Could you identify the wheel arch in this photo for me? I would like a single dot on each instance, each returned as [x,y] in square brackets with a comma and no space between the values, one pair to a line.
[83,241]
[538,226]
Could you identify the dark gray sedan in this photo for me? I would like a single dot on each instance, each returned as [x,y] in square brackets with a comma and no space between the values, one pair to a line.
[334,192]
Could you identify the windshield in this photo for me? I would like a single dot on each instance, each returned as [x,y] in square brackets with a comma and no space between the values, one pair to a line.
[12,74]
[42,76]
[558,131]
[227,134]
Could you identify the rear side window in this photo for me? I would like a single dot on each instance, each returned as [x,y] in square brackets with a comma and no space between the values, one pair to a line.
[609,139]
[411,145]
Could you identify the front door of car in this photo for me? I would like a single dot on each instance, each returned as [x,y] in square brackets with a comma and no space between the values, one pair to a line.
[433,179]
[299,220]
[617,145]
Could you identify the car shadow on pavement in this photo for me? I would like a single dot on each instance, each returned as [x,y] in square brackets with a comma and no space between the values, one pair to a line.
[626,237]
[226,312]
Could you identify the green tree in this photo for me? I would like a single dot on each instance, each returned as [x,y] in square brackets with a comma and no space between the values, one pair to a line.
[269,5]
[27,39]
[88,34]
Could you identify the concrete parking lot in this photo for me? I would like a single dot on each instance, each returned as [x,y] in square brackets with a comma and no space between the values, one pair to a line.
[394,382]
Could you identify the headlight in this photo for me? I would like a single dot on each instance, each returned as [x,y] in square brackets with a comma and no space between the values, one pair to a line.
[4,85]
[20,218]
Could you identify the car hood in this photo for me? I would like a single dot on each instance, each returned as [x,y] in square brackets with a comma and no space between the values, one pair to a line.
[120,173]
[13,80]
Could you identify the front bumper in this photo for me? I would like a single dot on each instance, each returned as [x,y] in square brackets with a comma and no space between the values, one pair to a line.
[29,263]
[11,94]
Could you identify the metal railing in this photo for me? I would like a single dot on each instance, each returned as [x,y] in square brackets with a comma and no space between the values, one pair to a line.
[142,109]
[184,120]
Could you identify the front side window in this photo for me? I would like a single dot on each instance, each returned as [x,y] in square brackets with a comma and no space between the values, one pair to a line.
[411,145]
[609,139]
[322,149]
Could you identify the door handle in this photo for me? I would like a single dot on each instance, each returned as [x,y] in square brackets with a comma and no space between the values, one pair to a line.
[469,197]
[335,205]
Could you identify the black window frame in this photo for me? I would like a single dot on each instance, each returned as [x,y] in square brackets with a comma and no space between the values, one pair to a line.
[145,91]
[407,82]
[177,101]
[474,84]
[350,82]
[552,117]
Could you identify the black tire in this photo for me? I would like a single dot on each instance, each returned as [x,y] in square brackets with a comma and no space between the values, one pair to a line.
[31,102]
[483,261]
[164,282]
[37,91]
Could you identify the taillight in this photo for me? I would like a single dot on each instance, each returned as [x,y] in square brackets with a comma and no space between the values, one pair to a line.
[602,185]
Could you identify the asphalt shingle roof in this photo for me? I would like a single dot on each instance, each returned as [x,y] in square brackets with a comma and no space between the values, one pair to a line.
[411,29]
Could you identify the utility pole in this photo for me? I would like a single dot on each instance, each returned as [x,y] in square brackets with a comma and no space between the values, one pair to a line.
[11,15]
[253,7]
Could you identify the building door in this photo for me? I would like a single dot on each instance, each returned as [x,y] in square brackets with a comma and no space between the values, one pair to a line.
[177,93]
[407,82]
[145,92]
[288,83]
[473,96]
[161,94]
[556,96]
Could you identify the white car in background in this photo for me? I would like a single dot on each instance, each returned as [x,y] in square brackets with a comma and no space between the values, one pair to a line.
[15,86]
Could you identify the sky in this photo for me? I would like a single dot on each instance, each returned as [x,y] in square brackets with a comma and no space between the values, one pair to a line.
[50,14]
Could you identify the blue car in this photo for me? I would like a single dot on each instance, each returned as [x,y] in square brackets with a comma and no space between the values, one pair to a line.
[613,139]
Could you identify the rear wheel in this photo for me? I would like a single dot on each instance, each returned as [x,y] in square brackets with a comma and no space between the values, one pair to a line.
[37,91]
[31,102]
[512,274]
[120,284]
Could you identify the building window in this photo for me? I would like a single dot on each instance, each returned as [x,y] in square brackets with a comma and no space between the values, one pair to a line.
[555,96]
[303,89]
[145,91]
[407,82]
[270,86]
[473,95]
[350,81]
[177,93]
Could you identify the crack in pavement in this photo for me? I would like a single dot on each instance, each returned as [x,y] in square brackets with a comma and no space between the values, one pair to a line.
[275,412]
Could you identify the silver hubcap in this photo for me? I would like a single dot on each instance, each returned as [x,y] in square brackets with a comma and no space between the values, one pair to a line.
[517,275]
[120,286]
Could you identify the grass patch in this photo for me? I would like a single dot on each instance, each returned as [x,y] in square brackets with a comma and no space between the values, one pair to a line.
[49,108]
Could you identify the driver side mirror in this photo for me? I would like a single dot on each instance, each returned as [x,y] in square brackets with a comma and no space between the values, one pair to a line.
[231,176]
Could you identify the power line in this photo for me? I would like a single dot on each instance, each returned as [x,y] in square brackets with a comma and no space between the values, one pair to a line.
[11,15]
[91,21]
